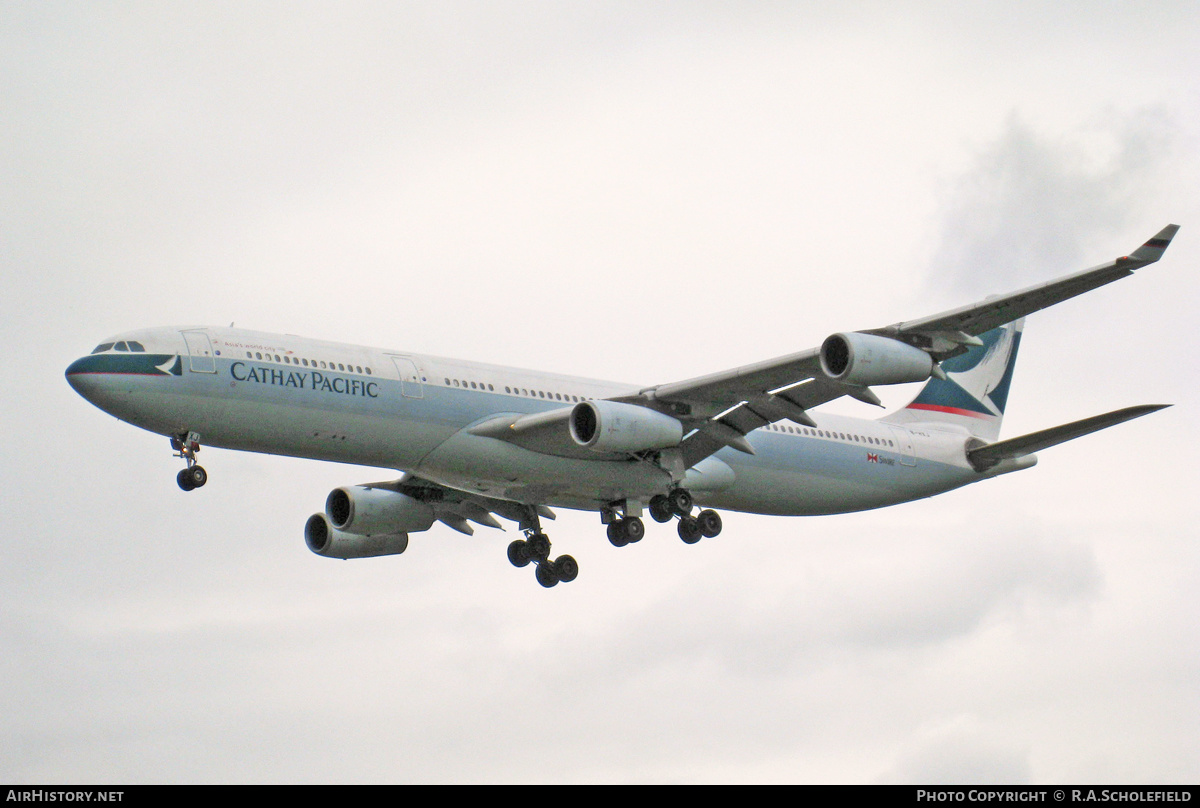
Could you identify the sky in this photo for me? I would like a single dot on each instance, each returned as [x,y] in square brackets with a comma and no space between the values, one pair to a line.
[644,192]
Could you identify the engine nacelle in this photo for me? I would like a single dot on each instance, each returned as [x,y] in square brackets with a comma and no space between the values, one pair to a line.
[368,511]
[866,359]
[328,541]
[610,426]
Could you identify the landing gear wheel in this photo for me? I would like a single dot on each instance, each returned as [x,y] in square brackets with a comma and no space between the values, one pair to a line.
[518,553]
[546,575]
[709,523]
[689,530]
[539,547]
[660,509]
[625,531]
[680,501]
[566,568]
[199,476]
[184,478]
[634,529]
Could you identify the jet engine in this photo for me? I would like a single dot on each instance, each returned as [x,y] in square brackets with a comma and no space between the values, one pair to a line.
[866,359]
[328,541]
[610,426]
[368,511]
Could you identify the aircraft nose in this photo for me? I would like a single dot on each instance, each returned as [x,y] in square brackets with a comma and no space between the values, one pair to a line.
[80,378]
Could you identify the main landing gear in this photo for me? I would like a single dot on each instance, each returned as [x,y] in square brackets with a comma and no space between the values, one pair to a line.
[535,547]
[186,446]
[678,503]
[626,528]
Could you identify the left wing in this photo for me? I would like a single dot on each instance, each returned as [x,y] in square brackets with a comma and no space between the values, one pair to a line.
[723,407]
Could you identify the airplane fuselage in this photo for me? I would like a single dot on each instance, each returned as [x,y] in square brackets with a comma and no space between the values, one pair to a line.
[477,441]
[288,395]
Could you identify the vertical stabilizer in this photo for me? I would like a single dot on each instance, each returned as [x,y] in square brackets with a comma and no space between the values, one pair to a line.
[975,391]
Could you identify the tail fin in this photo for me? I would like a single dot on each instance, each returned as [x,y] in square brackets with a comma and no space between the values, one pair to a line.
[975,391]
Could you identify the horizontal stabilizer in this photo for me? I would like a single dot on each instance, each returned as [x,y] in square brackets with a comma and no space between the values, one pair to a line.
[985,457]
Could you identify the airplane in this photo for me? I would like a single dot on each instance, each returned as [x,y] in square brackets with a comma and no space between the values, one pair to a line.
[475,441]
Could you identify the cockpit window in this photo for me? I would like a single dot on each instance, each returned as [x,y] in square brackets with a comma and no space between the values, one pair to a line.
[137,347]
[121,346]
[102,347]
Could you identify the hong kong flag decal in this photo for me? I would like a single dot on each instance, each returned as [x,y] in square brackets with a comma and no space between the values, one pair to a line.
[872,458]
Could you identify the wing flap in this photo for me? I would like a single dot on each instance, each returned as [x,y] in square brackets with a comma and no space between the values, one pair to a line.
[734,385]
[456,508]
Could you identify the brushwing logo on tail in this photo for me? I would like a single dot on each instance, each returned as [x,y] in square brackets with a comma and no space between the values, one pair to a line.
[978,380]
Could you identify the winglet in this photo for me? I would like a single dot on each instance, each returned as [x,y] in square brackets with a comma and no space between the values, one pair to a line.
[1153,249]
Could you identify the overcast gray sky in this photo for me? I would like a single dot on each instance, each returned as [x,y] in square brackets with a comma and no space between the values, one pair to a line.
[638,191]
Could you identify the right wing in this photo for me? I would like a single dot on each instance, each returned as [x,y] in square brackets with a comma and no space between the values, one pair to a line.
[719,409]
[723,407]
[977,318]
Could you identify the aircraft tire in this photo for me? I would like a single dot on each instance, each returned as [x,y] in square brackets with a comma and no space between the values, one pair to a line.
[633,528]
[709,523]
[660,509]
[681,501]
[545,575]
[198,475]
[616,534]
[689,530]
[518,553]
[566,568]
[184,478]
[539,546]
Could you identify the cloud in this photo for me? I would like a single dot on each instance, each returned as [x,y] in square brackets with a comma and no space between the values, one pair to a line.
[961,751]
[1030,200]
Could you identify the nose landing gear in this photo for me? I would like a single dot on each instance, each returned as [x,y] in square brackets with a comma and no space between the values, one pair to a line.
[186,446]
